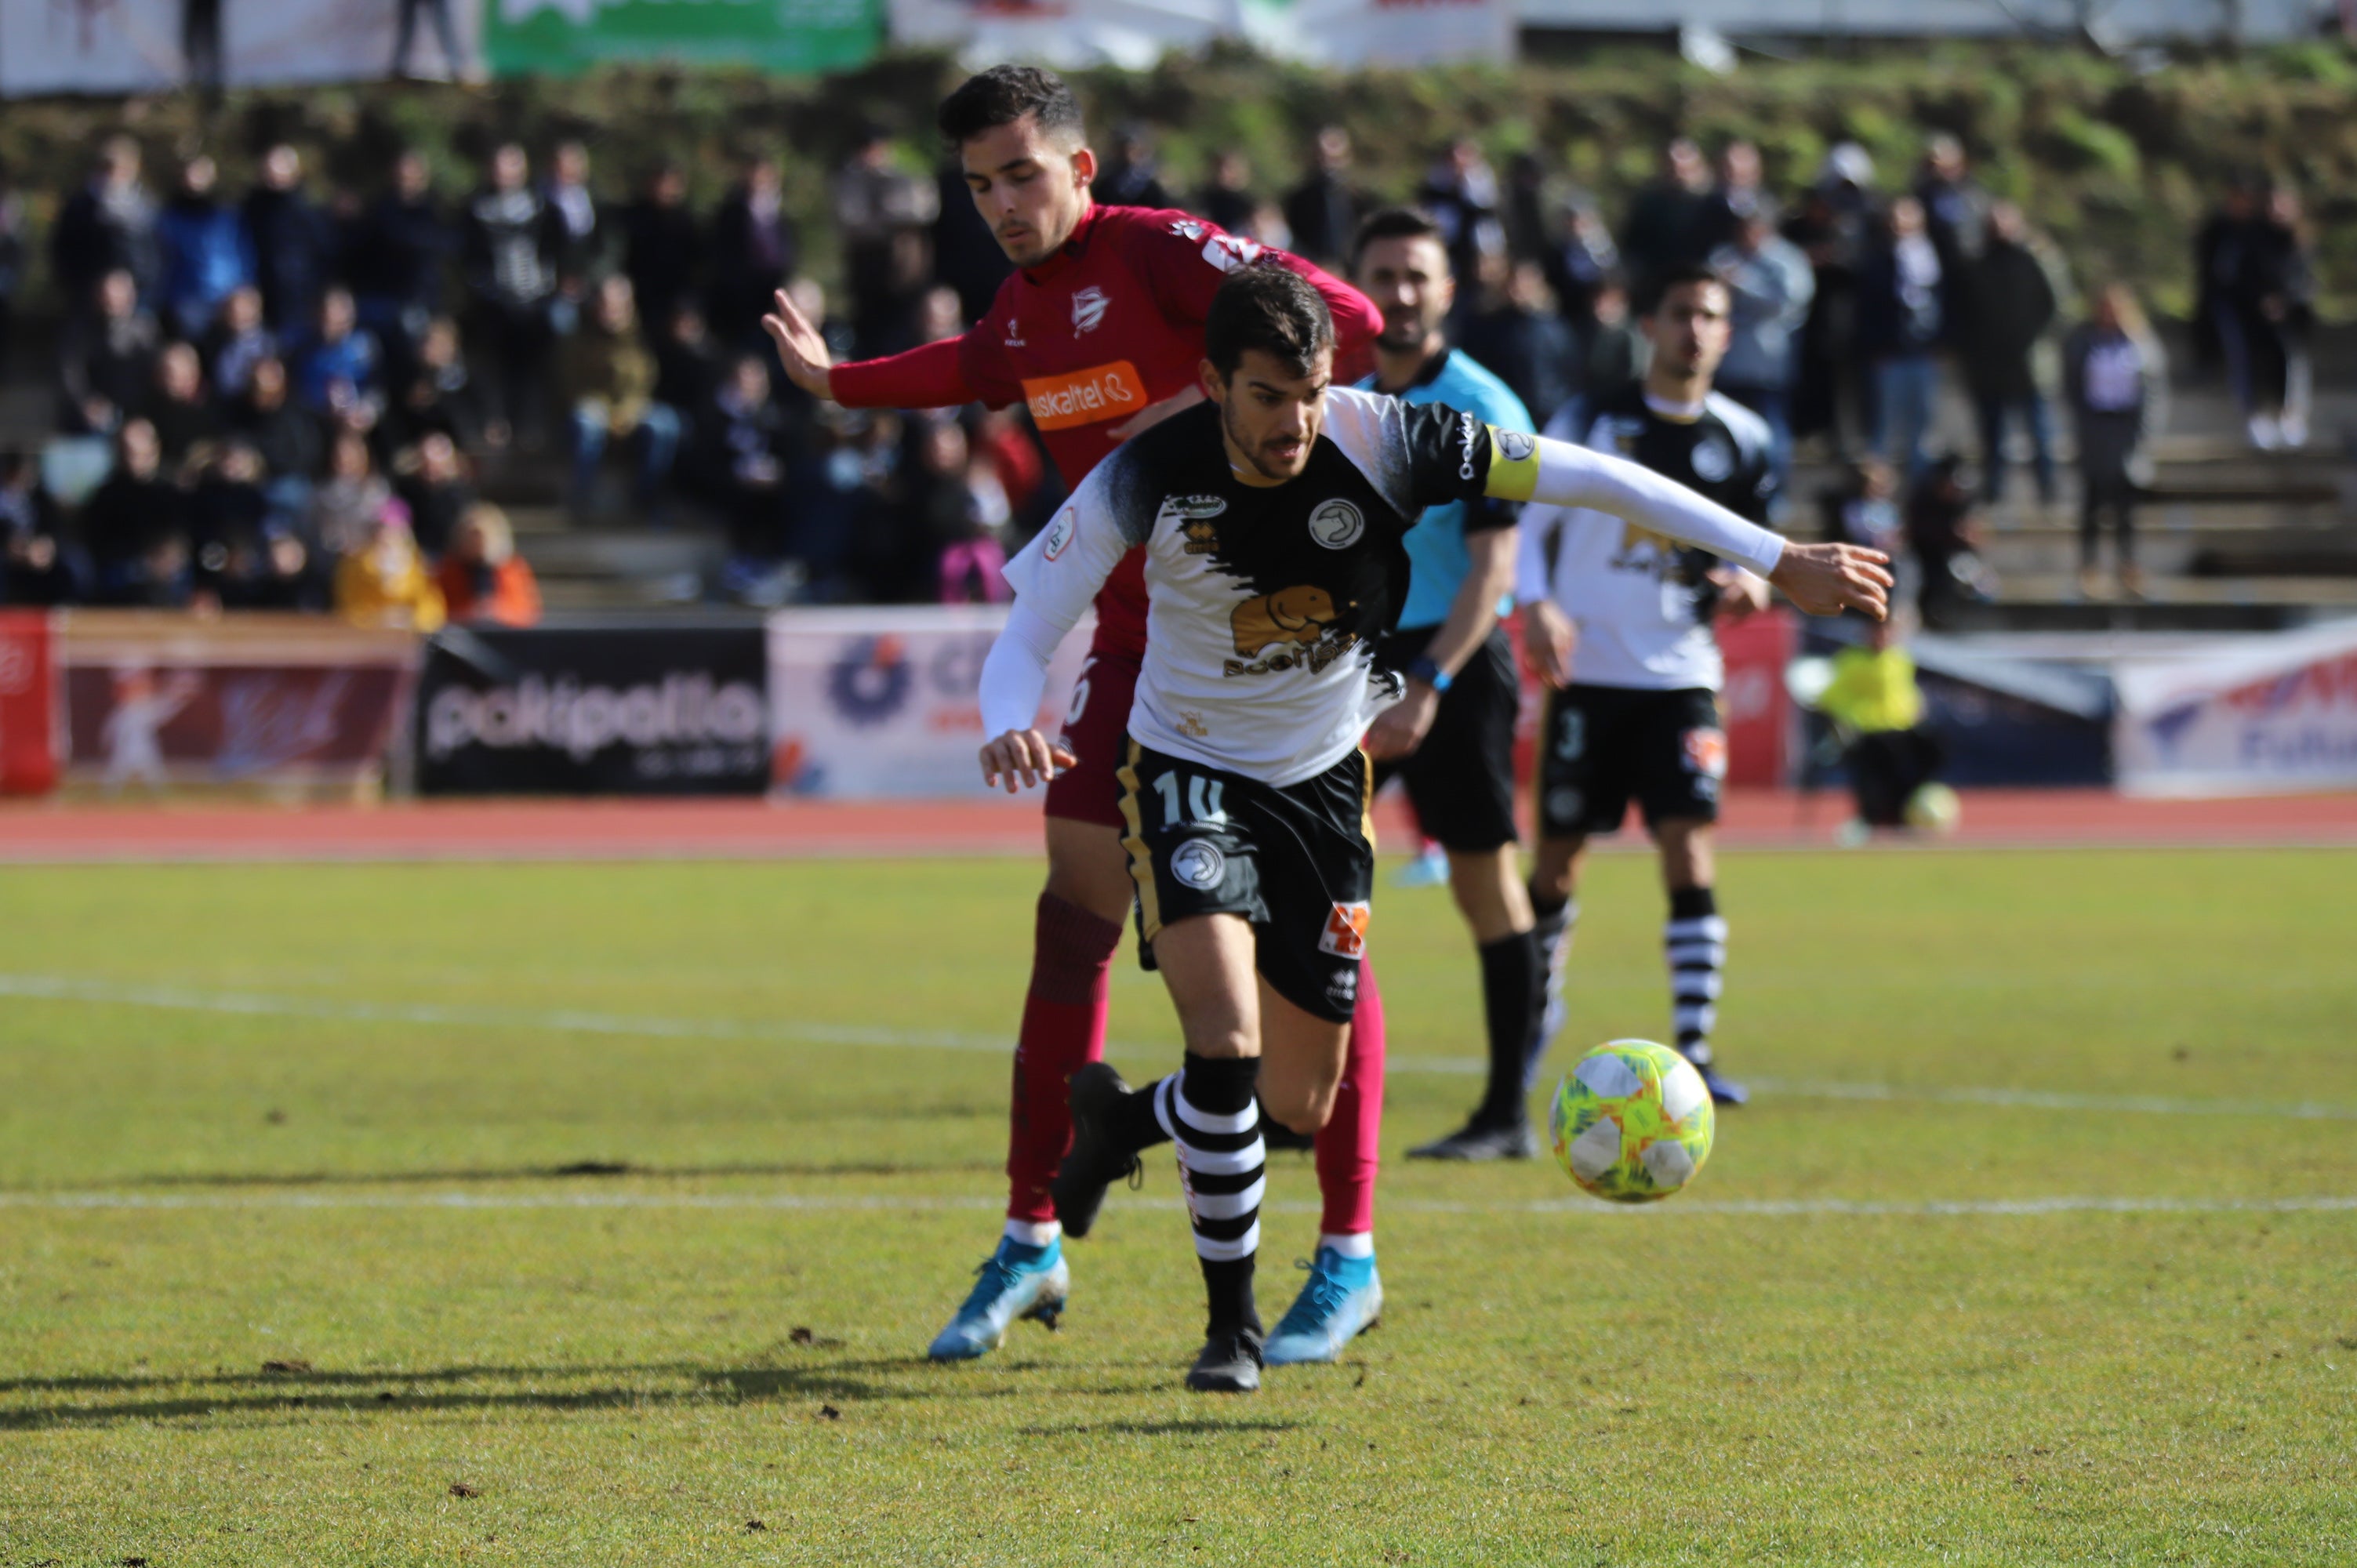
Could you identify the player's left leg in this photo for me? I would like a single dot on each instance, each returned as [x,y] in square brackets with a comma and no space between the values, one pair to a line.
[1695,942]
[1681,758]
[1462,782]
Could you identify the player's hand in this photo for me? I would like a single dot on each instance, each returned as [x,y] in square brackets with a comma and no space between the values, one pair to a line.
[1548,637]
[1826,579]
[1024,755]
[1155,414]
[1399,729]
[800,349]
[1741,594]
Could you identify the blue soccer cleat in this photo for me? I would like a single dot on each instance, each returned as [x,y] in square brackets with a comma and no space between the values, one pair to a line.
[1724,1090]
[1429,869]
[1343,1297]
[1018,1280]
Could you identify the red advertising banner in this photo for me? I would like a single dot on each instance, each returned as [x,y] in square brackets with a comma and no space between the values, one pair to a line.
[156,702]
[1757,711]
[29,719]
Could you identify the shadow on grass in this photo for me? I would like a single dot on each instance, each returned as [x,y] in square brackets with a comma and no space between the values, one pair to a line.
[576,1170]
[398,1391]
[1198,1427]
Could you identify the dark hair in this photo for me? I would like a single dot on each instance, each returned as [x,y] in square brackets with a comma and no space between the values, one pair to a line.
[1685,275]
[1272,308]
[1004,95]
[1393,223]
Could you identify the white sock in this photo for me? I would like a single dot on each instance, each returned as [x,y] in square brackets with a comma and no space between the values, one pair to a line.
[1034,1232]
[1359,1244]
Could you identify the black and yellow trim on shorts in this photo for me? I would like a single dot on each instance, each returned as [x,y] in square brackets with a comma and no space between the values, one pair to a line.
[1367,797]
[1141,858]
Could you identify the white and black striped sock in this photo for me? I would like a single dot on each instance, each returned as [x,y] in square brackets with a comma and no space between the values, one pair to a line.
[1214,1118]
[1695,941]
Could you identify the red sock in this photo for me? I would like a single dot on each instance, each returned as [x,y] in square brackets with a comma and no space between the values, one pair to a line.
[1063,1028]
[1348,1146]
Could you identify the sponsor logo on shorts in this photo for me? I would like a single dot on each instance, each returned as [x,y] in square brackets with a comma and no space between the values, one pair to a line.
[1713,460]
[1197,863]
[1344,989]
[1060,532]
[1345,935]
[1706,752]
[1337,524]
[1086,397]
[1564,804]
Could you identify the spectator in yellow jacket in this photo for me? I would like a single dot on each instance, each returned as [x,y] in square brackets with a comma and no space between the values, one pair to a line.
[385,583]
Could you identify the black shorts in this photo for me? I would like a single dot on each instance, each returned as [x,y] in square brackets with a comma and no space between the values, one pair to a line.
[1297,862]
[1461,779]
[1601,745]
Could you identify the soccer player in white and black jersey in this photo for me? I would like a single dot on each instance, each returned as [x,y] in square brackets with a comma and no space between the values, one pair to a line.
[1620,620]
[1271,519]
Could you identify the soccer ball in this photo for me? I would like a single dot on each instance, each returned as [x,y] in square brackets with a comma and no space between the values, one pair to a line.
[1934,809]
[1632,1121]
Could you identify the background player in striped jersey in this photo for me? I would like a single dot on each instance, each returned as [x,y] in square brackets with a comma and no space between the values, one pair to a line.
[1099,332]
[1622,624]
[1272,524]
[1451,738]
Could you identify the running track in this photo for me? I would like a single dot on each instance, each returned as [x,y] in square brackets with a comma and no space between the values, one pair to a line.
[53,833]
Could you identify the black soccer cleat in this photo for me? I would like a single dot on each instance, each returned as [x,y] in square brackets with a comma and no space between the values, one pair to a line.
[1229,1363]
[1480,1140]
[1094,1161]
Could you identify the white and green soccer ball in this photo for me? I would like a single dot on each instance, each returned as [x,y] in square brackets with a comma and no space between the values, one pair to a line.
[1632,1121]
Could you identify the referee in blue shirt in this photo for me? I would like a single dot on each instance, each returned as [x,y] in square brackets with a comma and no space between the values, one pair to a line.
[1451,738]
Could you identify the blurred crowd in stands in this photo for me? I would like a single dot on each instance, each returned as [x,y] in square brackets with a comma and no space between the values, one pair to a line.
[289,396]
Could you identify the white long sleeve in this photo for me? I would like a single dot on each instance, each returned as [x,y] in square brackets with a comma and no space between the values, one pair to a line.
[1015,672]
[1573,475]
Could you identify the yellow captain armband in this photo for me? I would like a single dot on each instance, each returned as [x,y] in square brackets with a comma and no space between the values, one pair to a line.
[1514,465]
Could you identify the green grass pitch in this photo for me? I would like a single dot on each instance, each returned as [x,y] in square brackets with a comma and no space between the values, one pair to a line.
[2028,1253]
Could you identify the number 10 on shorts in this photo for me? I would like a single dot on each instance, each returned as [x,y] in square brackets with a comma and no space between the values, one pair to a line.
[1346,931]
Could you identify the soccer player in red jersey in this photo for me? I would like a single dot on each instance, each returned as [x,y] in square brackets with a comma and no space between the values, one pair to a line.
[1100,333]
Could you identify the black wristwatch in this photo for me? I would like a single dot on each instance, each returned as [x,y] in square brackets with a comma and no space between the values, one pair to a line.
[1430,673]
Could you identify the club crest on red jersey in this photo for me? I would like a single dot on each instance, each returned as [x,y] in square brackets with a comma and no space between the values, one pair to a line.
[1088,309]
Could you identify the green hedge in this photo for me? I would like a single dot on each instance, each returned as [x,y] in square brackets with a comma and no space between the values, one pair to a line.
[2118,163]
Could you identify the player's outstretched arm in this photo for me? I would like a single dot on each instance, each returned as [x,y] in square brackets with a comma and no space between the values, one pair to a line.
[1055,577]
[1821,579]
[931,375]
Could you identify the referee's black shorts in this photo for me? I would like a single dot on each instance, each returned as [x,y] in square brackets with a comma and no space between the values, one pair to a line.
[1461,779]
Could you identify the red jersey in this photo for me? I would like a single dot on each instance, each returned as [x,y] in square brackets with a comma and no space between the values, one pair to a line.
[1087,339]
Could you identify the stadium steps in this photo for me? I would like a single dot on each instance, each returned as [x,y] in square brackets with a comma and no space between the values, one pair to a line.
[618,566]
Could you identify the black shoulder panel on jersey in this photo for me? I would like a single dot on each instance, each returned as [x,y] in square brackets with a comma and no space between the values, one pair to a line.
[1141,470]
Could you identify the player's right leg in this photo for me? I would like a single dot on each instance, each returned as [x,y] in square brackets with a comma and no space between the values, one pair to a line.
[1076,930]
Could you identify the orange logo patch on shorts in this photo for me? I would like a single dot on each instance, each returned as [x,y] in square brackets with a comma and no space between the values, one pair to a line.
[1346,931]
[1706,752]
[1086,397]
